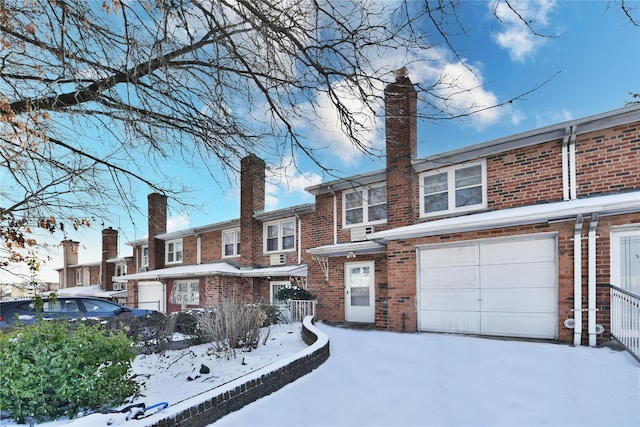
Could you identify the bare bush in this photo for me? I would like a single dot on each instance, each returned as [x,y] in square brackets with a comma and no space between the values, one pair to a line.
[231,326]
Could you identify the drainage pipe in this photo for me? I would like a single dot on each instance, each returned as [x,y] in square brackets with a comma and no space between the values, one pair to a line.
[592,281]
[577,281]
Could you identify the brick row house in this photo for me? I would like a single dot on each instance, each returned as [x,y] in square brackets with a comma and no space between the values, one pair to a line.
[519,236]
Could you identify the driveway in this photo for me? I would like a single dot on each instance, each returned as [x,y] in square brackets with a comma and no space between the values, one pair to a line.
[377,378]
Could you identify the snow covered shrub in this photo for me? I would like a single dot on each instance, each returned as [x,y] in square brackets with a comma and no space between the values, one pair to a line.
[232,326]
[53,369]
[294,292]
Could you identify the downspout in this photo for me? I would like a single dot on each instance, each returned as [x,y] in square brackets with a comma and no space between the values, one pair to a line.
[592,281]
[199,249]
[335,216]
[573,186]
[577,281]
[299,221]
[565,163]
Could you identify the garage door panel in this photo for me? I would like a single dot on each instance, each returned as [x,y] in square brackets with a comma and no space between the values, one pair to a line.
[518,251]
[527,325]
[465,322]
[452,299]
[519,275]
[526,300]
[450,257]
[517,283]
[450,277]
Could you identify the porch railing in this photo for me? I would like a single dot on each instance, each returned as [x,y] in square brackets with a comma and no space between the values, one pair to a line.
[301,309]
[625,319]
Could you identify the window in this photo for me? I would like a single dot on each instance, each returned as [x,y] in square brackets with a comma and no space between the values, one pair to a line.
[231,242]
[455,189]
[625,259]
[185,292]
[280,235]
[79,276]
[121,269]
[174,251]
[144,261]
[365,206]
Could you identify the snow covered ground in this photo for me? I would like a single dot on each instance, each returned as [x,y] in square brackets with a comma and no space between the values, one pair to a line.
[377,378]
[390,379]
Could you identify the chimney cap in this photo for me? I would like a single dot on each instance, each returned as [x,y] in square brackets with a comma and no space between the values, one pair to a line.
[401,73]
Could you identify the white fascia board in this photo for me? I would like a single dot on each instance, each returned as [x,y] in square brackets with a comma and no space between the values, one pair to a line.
[288,270]
[342,249]
[602,205]
[284,212]
[184,271]
[199,230]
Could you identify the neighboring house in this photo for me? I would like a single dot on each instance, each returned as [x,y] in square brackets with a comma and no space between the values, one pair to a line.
[95,278]
[518,237]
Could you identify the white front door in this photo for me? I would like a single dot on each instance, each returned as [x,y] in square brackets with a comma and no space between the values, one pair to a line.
[359,280]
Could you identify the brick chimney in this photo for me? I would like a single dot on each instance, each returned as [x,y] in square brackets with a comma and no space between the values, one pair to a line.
[252,195]
[401,106]
[157,208]
[109,250]
[69,257]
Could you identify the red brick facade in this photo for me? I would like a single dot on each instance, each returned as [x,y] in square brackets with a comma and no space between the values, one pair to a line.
[600,158]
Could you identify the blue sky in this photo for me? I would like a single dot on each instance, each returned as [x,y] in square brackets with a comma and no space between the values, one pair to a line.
[592,61]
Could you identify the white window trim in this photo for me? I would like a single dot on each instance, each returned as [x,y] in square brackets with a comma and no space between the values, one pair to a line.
[365,207]
[451,189]
[614,250]
[279,223]
[236,241]
[79,276]
[121,268]
[144,260]
[166,252]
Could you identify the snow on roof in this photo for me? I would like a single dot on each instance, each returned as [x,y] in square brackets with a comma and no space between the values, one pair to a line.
[216,269]
[602,205]
[341,249]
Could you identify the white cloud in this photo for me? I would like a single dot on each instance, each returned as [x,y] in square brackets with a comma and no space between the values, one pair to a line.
[178,222]
[551,117]
[517,37]
[287,180]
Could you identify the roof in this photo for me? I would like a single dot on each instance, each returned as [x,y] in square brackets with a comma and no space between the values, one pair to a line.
[592,123]
[345,249]
[215,269]
[610,204]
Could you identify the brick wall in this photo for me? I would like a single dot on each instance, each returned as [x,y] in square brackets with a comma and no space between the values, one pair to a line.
[255,387]
[157,224]
[607,161]
[526,176]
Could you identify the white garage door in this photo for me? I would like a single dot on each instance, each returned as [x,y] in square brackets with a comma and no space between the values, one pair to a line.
[151,296]
[494,287]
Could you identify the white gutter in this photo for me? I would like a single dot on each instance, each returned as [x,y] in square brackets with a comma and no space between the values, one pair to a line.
[592,280]
[577,281]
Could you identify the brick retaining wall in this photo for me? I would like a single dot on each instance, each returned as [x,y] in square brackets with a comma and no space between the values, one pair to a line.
[258,384]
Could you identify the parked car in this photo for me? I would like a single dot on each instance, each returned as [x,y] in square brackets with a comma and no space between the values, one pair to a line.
[24,311]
